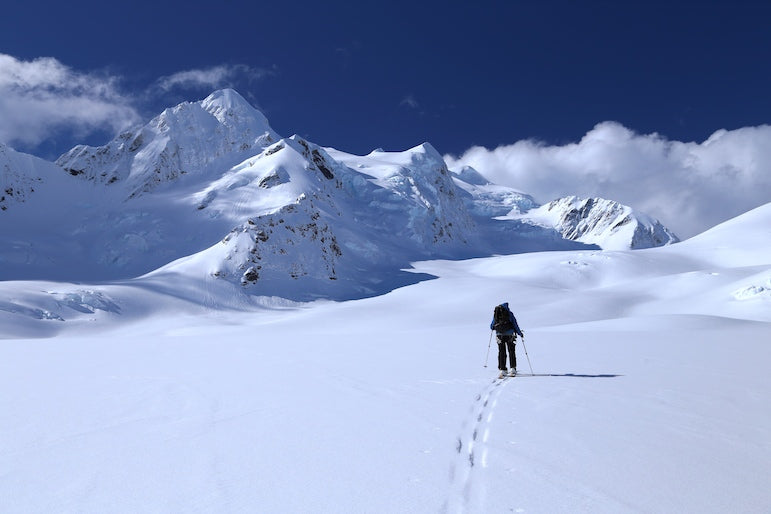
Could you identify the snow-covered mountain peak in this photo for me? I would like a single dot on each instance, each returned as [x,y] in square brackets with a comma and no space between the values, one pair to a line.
[225,99]
[231,108]
[310,219]
[386,163]
[222,129]
[419,176]
[606,223]
[423,155]
[471,176]
[426,151]
[278,176]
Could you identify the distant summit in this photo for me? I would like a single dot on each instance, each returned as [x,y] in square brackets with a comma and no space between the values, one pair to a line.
[185,139]
[606,223]
[592,221]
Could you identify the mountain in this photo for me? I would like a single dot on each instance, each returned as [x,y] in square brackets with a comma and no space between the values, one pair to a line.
[314,226]
[593,221]
[211,188]
[608,224]
[209,191]
[186,139]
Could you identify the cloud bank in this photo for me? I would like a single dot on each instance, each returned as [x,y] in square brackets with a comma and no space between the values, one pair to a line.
[690,187]
[40,96]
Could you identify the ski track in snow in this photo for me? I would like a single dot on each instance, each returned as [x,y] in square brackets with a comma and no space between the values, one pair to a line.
[467,492]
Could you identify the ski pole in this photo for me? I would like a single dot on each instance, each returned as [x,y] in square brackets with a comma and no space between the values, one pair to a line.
[488,348]
[526,355]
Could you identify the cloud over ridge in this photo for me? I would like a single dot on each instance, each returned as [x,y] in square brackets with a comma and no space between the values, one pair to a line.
[41,95]
[690,186]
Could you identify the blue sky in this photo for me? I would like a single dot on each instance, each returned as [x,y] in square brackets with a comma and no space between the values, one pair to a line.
[395,74]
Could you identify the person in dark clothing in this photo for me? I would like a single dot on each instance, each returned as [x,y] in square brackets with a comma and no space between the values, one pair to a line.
[506,329]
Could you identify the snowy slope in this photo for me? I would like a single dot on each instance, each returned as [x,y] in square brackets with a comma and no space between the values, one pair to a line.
[487,200]
[20,175]
[44,220]
[741,241]
[649,396]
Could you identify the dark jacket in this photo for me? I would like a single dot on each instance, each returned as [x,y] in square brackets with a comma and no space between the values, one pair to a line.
[513,321]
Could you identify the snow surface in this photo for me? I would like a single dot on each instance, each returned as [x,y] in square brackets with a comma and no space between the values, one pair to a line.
[168,394]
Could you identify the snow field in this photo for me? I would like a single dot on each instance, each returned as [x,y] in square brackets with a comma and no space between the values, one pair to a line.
[377,405]
[165,394]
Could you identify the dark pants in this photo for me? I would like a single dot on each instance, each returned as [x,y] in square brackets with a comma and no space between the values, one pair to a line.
[504,342]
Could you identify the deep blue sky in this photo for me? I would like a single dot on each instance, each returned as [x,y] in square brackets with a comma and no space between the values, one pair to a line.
[358,76]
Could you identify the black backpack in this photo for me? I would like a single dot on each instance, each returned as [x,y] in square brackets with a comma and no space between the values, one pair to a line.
[502,319]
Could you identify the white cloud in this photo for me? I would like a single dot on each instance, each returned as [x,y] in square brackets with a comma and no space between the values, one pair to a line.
[690,187]
[223,75]
[43,95]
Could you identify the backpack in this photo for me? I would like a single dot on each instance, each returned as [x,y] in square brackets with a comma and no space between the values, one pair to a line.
[502,319]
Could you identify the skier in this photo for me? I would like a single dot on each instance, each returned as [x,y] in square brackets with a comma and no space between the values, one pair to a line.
[506,329]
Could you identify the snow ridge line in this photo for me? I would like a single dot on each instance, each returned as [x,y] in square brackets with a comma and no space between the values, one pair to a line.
[466,492]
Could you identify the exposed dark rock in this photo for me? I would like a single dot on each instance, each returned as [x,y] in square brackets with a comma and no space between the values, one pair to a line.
[274,149]
[321,164]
